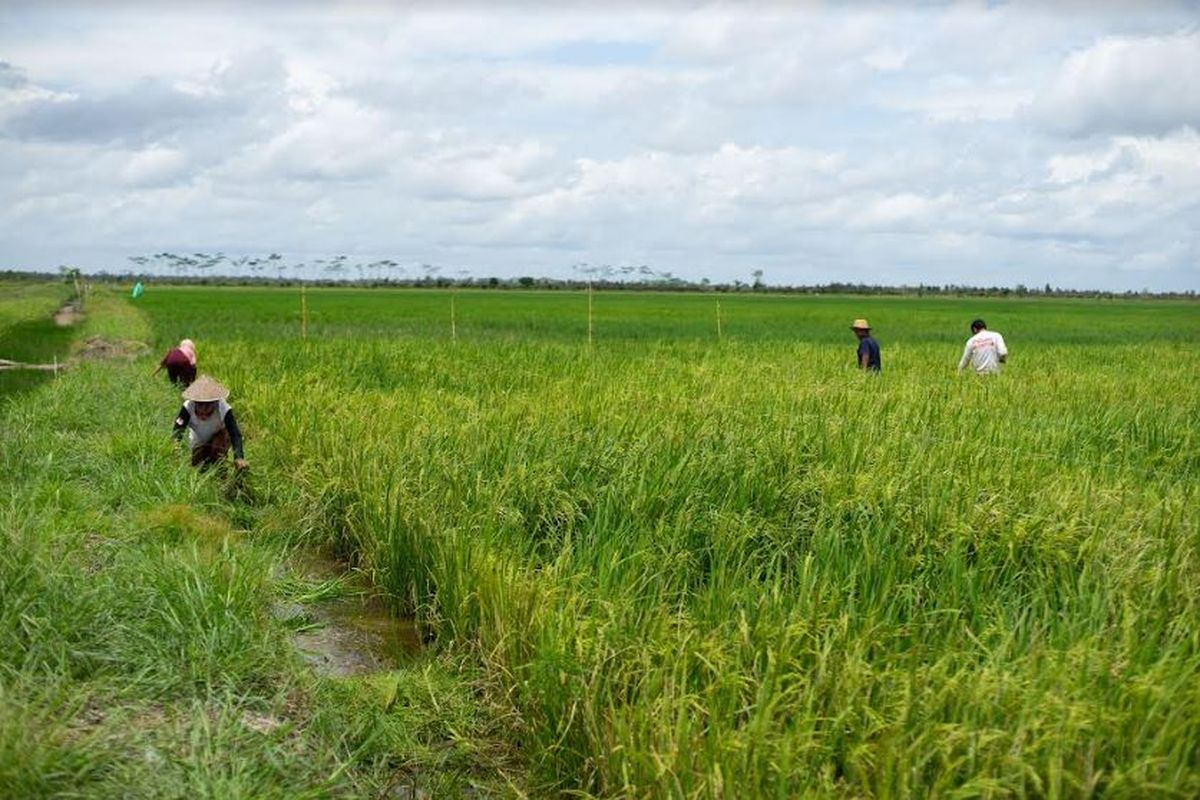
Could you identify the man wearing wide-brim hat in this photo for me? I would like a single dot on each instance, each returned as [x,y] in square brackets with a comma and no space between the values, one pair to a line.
[210,424]
[868,348]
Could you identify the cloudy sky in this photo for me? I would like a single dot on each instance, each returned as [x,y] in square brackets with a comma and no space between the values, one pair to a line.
[981,143]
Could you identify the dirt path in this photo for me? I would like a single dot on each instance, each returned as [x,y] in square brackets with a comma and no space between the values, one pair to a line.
[70,314]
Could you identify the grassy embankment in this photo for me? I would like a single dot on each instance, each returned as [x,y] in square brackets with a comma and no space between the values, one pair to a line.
[746,570]
[137,655]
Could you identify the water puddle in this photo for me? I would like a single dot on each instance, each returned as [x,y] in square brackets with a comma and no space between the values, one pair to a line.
[340,627]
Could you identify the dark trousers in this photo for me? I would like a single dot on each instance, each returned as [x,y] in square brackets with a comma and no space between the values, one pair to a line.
[212,451]
[181,374]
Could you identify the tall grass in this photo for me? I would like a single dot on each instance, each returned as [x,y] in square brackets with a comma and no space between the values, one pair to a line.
[137,654]
[715,570]
[748,570]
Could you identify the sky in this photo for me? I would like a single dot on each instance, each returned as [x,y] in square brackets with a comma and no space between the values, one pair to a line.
[996,143]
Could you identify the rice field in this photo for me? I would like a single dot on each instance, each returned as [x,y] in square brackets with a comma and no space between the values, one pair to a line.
[681,564]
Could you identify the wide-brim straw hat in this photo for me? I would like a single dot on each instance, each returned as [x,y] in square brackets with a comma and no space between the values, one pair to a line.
[205,389]
[860,325]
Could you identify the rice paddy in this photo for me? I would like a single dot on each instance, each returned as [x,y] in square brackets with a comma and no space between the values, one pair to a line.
[679,561]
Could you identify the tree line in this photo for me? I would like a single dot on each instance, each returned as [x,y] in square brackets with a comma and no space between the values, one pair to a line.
[341,270]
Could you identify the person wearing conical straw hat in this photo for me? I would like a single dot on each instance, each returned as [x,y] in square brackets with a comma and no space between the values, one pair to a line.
[212,428]
[868,348]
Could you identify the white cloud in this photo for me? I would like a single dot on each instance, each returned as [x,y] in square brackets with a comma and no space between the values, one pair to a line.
[343,141]
[958,99]
[1148,84]
[483,174]
[154,166]
[816,142]
[324,212]
[17,92]
[903,211]
[886,58]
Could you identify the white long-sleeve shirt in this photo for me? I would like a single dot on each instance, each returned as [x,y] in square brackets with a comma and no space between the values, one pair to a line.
[984,351]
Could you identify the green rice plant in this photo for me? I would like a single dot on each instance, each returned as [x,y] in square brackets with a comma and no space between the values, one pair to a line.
[138,657]
[677,568]
[696,569]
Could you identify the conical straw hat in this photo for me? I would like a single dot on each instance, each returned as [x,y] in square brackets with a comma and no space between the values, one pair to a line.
[860,325]
[205,389]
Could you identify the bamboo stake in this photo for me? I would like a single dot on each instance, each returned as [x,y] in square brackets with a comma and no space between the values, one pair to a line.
[589,313]
[303,313]
[55,367]
[718,319]
[453,325]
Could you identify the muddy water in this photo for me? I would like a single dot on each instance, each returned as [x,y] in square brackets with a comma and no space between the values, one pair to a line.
[352,634]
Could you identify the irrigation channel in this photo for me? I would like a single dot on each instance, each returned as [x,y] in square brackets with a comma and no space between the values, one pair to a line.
[339,626]
[69,315]
[165,632]
[53,345]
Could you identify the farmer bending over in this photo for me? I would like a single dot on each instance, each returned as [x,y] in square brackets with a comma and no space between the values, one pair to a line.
[180,362]
[210,424]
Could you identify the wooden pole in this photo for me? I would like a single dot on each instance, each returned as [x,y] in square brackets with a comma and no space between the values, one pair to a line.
[55,367]
[453,324]
[589,313]
[718,319]
[303,313]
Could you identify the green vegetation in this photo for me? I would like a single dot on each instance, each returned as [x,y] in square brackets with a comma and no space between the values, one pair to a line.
[138,657]
[266,315]
[666,565]
[28,333]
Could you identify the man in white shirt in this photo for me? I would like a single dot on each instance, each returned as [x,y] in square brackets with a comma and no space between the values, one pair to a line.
[985,350]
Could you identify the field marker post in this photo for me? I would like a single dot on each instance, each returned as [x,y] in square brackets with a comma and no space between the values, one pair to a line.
[303,313]
[718,319]
[589,312]
[453,326]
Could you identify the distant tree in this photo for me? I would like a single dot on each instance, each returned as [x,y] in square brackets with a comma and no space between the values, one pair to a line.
[431,271]
[74,276]
[276,260]
[335,266]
